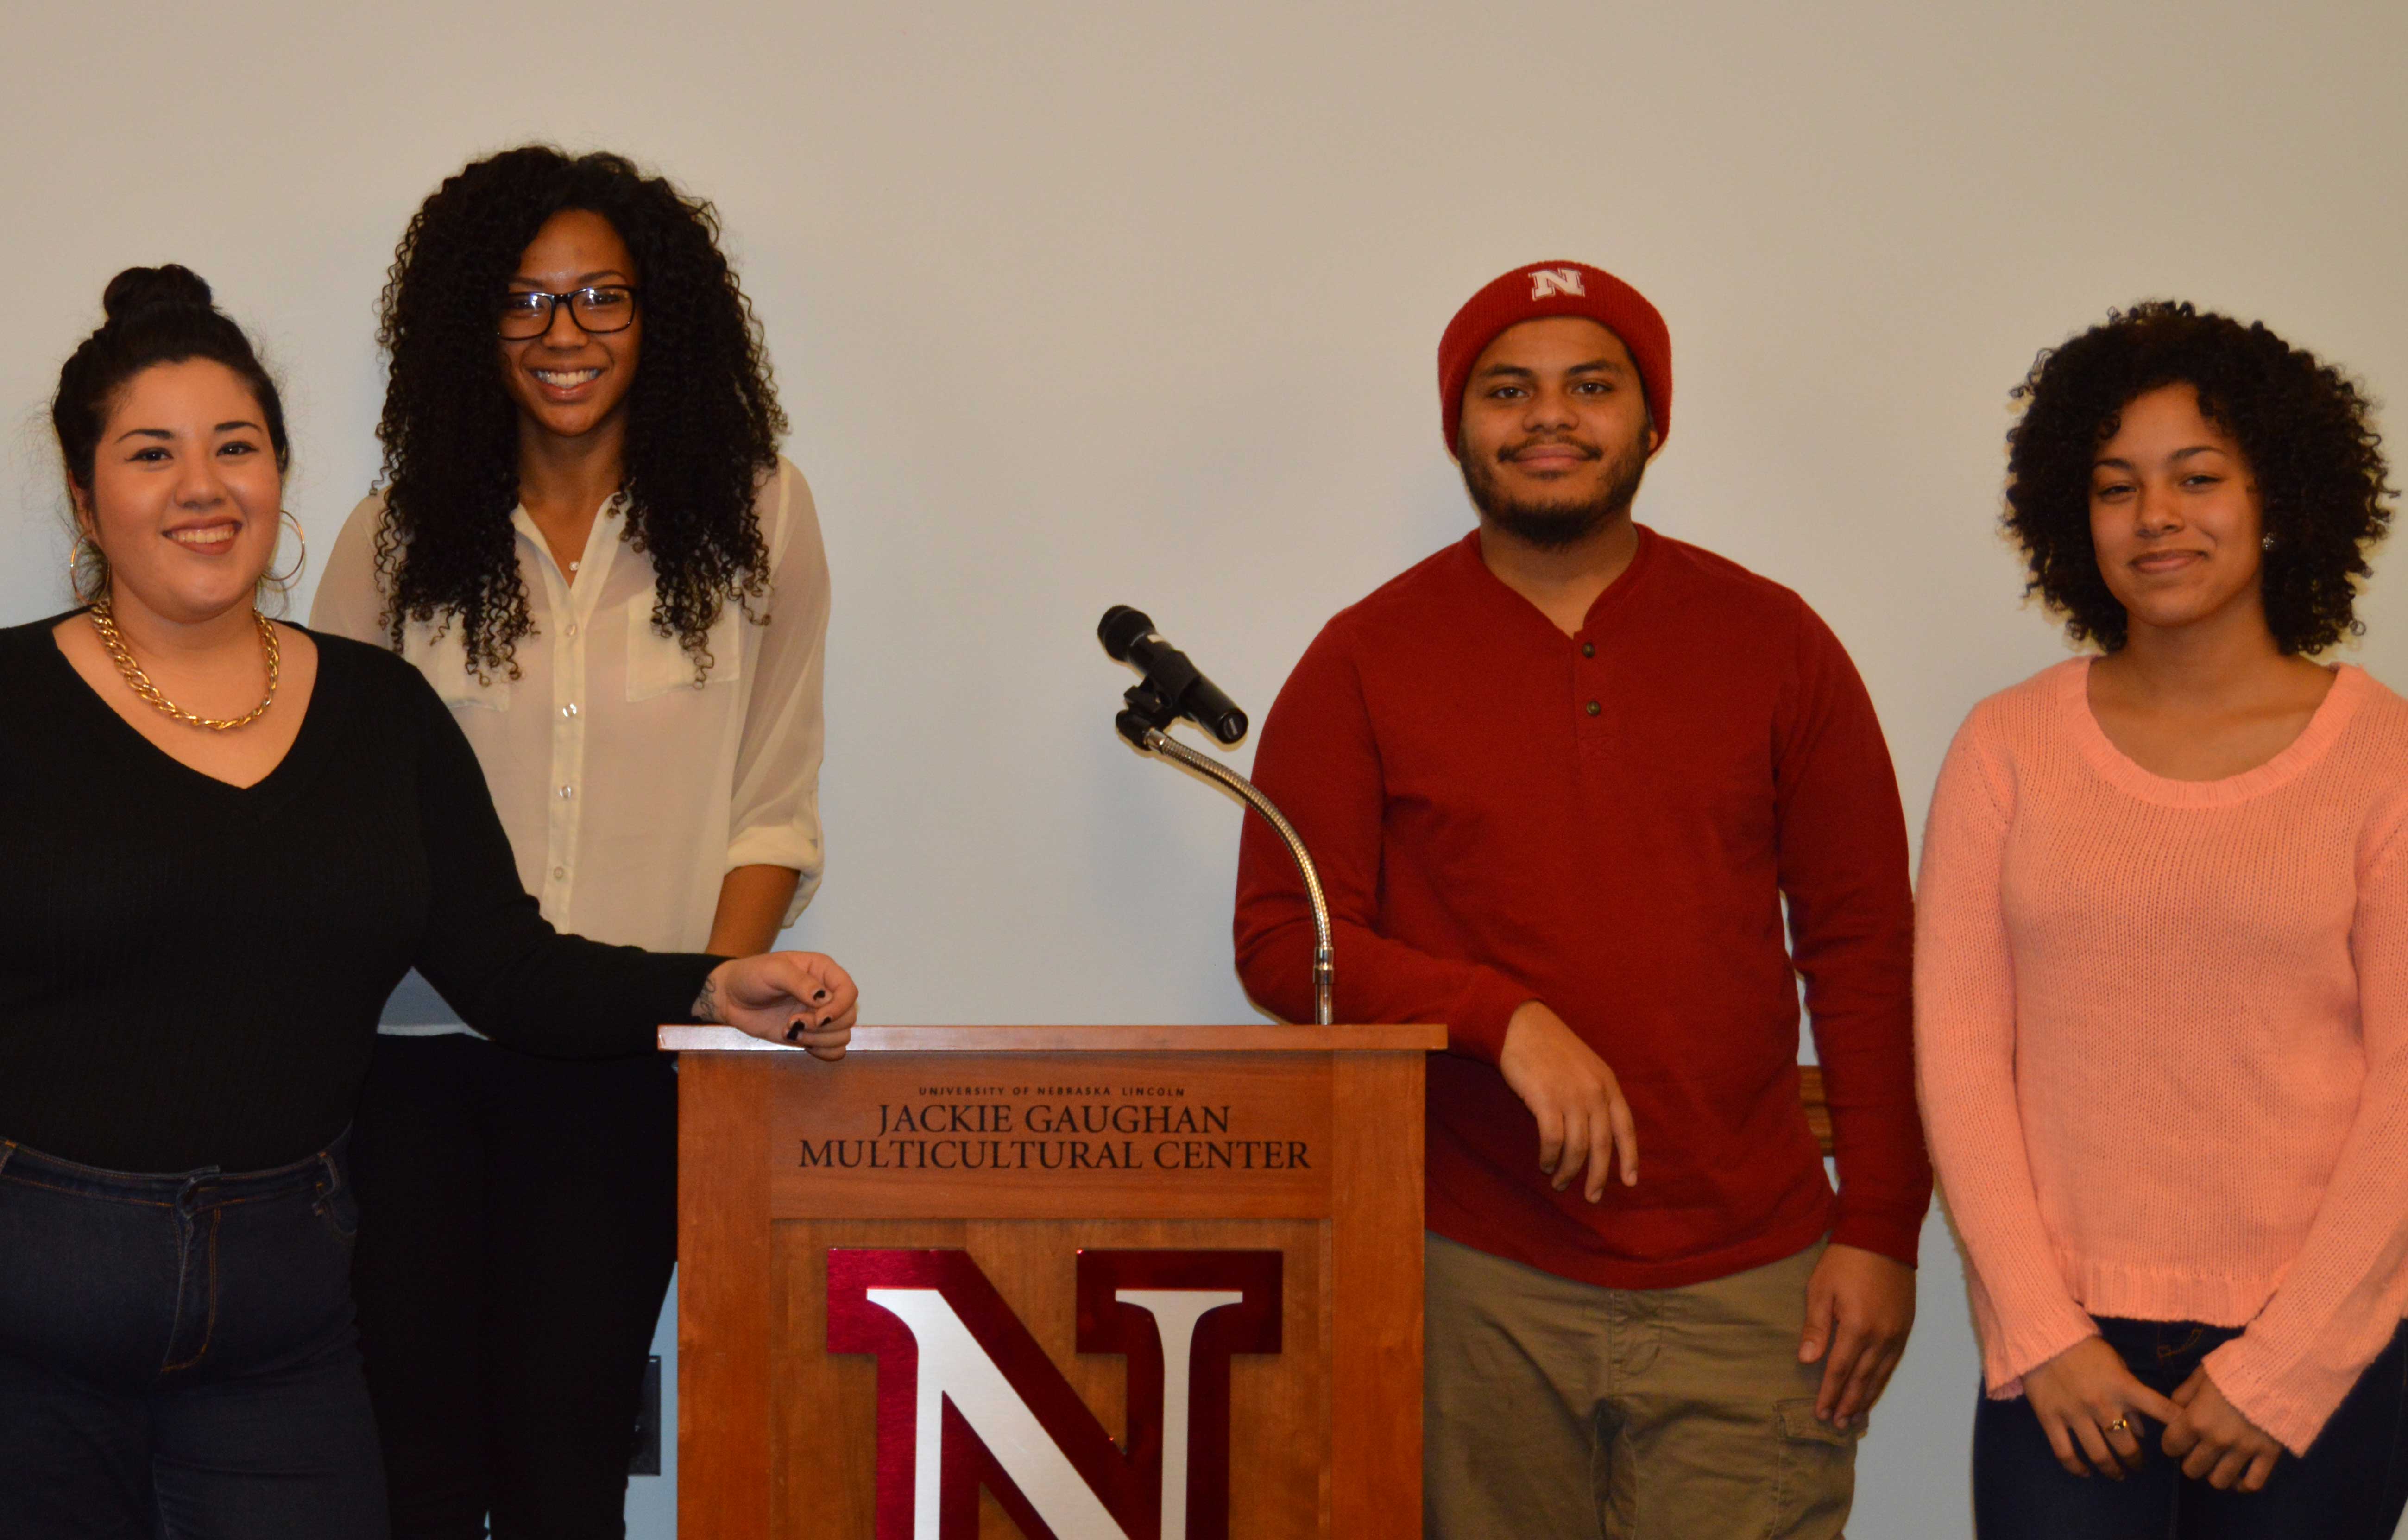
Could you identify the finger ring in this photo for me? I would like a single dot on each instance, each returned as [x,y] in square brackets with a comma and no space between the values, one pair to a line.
[2121,1425]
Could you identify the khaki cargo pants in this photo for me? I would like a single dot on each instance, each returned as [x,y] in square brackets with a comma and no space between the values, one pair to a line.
[1557,1410]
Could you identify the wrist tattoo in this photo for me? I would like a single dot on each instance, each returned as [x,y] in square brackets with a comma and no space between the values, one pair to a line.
[705,1004]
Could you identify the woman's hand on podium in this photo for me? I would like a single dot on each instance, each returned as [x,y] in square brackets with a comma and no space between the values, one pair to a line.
[786,996]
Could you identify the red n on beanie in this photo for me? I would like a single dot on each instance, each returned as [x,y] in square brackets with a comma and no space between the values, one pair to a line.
[1556,288]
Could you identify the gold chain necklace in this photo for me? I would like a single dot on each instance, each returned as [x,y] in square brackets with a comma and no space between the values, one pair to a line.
[105,624]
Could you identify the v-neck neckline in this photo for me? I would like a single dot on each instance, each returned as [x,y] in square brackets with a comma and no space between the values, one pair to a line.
[1611,599]
[587,571]
[264,794]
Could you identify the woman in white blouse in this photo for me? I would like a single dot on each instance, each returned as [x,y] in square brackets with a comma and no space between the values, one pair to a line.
[587,541]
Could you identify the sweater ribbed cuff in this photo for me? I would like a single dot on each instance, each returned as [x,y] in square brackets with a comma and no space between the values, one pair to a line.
[703,964]
[2243,1371]
[1475,1025]
[2004,1365]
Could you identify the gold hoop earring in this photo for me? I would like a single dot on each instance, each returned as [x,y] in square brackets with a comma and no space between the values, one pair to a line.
[74,564]
[298,562]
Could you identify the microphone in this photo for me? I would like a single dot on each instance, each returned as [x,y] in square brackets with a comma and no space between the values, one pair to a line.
[1130,638]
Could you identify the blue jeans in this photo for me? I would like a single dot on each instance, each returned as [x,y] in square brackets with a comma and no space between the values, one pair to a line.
[2349,1486]
[178,1358]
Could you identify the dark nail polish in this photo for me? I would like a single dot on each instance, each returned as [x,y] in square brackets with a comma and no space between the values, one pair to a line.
[795,1030]
[819,998]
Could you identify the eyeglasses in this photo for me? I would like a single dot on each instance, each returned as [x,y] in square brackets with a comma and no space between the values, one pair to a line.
[597,311]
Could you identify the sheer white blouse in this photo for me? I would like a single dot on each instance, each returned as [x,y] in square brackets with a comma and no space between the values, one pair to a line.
[628,789]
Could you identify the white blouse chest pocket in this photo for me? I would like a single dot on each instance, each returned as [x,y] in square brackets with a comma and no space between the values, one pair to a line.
[444,660]
[658,664]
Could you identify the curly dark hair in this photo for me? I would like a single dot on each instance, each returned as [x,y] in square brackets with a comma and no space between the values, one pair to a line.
[2300,423]
[703,422]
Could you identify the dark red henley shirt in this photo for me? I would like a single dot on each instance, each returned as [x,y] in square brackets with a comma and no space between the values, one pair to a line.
[1610,823]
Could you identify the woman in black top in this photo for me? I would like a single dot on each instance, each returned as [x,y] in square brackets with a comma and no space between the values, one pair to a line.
[229,839]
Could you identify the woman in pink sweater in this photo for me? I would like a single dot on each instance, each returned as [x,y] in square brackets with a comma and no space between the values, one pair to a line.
[2162,964]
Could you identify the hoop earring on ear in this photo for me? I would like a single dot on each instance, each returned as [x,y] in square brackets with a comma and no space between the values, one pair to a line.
[298,562]
[74,564]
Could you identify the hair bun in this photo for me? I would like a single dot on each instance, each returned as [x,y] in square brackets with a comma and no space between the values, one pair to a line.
[142,288]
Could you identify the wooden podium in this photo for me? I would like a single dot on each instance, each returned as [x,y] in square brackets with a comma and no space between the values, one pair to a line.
[1085,1283]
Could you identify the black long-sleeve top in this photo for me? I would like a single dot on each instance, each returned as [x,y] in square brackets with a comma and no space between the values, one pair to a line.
[190,972]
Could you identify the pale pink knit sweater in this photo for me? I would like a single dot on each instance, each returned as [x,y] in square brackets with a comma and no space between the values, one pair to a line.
[2161,1033]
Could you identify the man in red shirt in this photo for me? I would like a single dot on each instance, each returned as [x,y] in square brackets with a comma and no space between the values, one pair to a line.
[1560,778]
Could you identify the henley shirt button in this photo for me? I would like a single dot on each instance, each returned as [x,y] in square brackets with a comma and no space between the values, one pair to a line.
[1588,649]
[560,872]
[566,792]
[572,628]
[1592,710]
[569,710]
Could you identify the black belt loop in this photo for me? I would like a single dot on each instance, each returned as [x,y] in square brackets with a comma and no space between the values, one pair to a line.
[332,1169]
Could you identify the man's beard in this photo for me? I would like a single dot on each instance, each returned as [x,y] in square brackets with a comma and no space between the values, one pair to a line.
[1554,526]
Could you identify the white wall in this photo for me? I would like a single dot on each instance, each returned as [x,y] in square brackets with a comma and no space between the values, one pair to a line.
[1076,306]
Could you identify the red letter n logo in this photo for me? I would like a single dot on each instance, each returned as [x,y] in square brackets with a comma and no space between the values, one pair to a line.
[966,1398]
[1545,281]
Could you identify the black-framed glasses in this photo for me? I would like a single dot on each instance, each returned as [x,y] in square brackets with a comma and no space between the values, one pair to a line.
[597,310]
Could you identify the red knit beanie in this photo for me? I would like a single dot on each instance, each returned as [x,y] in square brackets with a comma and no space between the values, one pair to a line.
[1556,288]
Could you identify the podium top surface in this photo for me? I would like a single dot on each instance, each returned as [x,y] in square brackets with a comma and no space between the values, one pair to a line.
[1254,1038]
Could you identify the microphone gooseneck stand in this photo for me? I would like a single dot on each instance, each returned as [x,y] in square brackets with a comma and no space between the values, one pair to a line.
[1325,974]
[1170,686]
